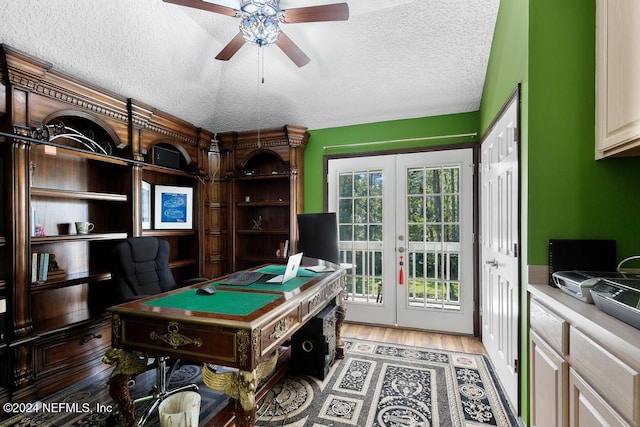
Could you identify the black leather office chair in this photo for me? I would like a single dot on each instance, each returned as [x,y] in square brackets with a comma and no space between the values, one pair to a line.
[140,267]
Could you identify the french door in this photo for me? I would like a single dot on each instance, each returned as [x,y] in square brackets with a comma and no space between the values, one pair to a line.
[406,224]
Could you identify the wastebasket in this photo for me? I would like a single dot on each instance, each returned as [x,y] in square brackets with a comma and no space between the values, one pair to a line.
[180,410]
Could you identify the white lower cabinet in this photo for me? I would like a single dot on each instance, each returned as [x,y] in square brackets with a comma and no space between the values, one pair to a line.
[549,388]
[583,373]
[587,408]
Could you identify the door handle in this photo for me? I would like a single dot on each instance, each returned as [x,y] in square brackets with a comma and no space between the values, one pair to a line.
[492,263]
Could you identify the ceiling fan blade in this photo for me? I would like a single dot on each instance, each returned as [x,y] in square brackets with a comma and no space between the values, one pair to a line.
[327,12]
[231,48]
[292,50]
[203,5]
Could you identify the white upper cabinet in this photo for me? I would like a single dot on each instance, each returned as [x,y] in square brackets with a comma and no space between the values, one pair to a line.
[617,78]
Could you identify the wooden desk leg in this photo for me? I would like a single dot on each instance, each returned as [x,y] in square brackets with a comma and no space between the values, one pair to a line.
[126,364]
[119,392]
[341,313]
[242,386]
[245,418]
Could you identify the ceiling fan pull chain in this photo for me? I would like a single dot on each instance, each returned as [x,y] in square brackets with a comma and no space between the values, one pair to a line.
[260,81]
[262,63]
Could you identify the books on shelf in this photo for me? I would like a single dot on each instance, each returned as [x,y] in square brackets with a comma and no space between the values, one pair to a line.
[33,221]
[44,267]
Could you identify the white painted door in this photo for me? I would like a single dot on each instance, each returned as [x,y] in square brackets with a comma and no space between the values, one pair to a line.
[500,283]
[360,191]
[434,232]
[415,209]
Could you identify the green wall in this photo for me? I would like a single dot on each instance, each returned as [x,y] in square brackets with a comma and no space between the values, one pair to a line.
[323,141]
[508,65]
[549,47]
[571,195]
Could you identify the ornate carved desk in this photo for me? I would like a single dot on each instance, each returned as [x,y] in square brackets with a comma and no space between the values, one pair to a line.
[239,326]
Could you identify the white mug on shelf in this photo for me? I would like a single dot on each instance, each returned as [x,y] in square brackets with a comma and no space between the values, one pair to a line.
[84,227]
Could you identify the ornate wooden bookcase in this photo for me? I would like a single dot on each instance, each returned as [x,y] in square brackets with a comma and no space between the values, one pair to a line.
[4,264]
[153,129]
[265,192]
[215,211]
[57,329]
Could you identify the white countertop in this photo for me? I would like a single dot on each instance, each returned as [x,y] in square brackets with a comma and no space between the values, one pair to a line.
[620,338]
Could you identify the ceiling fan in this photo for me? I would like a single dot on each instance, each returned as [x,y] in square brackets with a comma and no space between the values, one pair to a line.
[260,23]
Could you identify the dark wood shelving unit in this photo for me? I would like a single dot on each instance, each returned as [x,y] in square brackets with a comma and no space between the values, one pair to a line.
[66,185]
[79,152]
[67,313]
[70,280]
[262,177]
[265,192]
[282,231]
[3,282]
[167,171]
[58,329]
[284,203]
[40,240]
[168,233]
[80,195]
[5,390]
[71,152]
[185,246]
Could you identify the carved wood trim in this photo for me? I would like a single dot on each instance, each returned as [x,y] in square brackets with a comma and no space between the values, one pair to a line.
[39,85]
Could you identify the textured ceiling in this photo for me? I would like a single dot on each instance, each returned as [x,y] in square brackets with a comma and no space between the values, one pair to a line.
[393,59]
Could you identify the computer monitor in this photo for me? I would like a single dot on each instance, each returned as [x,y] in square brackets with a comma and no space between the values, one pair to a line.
[318,236]
[581,254]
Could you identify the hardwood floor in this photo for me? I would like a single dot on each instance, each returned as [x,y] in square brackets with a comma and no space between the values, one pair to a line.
[414,338]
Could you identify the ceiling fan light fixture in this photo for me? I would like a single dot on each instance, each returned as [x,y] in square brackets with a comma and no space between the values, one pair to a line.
[259,29]
[264,7]
[260,23]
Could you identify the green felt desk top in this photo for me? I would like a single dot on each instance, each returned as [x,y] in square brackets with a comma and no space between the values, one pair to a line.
[222,302]
[303,277]
[234,300]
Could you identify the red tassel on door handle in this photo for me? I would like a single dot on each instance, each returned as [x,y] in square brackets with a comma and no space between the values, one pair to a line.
[401,274]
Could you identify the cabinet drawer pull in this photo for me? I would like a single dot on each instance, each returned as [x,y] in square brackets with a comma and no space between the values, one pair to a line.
[89,338]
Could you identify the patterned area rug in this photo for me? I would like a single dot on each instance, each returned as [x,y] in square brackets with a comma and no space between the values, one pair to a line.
[88,404]
[379,384]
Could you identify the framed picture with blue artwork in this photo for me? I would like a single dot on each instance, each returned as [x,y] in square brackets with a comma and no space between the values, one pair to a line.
[173,207]
[145,198]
